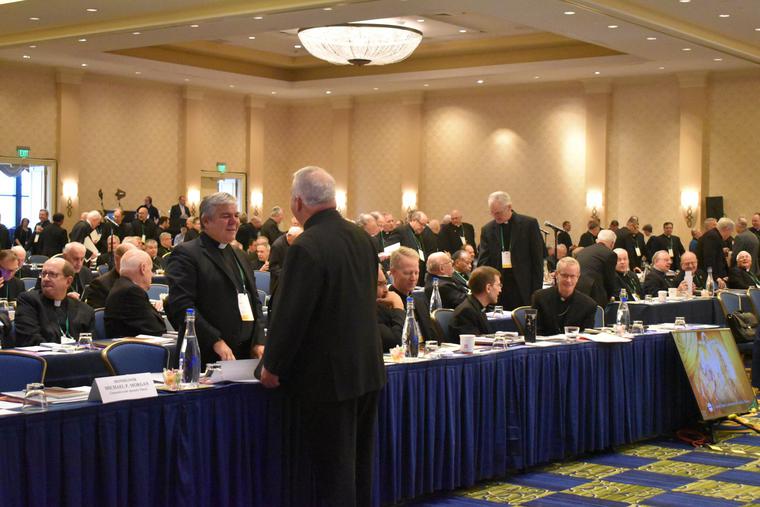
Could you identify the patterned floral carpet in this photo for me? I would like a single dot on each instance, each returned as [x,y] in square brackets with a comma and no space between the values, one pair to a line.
[663,472]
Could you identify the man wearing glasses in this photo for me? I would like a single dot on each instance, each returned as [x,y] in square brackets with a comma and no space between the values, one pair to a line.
[562,305]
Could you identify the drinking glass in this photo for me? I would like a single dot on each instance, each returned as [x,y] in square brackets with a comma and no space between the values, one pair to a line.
[648,298]
[680,322]
[35,399]
[531,321]
[85,341]
[430,347]
[499,342]
[12,311]
[637,327]
[572,331]
[498,311]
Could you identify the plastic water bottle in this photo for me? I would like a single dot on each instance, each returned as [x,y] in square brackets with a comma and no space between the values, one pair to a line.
[710,283]
[190,353]
[411,336]
[435,297]
[623,320]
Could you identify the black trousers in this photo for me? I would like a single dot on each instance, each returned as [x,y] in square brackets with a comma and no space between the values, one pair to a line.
[340,440]
[510,297]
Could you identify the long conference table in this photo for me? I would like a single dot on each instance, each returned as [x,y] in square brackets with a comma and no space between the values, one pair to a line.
[442,424]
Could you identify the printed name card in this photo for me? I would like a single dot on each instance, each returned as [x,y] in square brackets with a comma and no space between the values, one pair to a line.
[123,387]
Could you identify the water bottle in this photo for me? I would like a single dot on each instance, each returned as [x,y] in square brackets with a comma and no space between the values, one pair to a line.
[190,353]
[623,320]
[435,297]
[411,336]
[710,283]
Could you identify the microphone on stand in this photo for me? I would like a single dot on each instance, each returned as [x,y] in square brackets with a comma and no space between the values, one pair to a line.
[551,225]
[544,231]
[111,220]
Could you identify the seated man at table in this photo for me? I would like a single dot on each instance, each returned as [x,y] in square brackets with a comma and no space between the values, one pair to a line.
[128,309]
[469,317]
[440,266]
[626,279]
[10,286]
[98,290]
[390,313]
[657,278]
[405,271]
[741,275]
[561,305]
[24,269]
[698,277]
[47,314]
[462,260]
[151,248]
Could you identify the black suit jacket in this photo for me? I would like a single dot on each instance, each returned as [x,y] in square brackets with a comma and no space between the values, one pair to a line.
[129,312]
[175,218]
[277,254]
[246,234]
[452,293]
[710,253]
[656,281]
[527,252]
[421,313]
[5,237]
[587,239]
[12,288]
[663,242]
[563,238]
[390,323]
[80,231]
[270,230]
[630,282]
[468,318]
[52,240]
[199,278]
[630,242]
[34,243]
[37,321]
[322,342]
[99,287]
[741,279]
[598,267]
[698,278]
[450,237]
[148,228]
[580,311]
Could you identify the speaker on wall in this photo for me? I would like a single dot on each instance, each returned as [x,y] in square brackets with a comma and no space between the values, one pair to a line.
[714,207]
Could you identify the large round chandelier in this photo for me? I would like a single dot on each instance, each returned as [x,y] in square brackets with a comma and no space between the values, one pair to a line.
[360,43]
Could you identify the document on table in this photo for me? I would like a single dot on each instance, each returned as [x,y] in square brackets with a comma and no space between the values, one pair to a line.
[604,338]
[57,395]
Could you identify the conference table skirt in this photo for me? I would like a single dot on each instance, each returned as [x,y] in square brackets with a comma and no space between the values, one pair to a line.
[441,425]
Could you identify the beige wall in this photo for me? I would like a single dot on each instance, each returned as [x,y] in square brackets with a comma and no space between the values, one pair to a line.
[529,141]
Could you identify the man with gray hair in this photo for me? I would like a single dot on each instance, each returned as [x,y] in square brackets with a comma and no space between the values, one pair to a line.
[598,262]
[128,311]
[324,347]
[24,270]
[657,279]
[270,228]
[562,305]
[512,243]
[745,240]
[441,267]
[74,252]
[98,290]
[712,251]
[207,274]
[411,235]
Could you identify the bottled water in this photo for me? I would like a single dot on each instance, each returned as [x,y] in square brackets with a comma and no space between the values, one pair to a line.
[710,283]
[190,353]
[411,336]
[435,297]
[623,320]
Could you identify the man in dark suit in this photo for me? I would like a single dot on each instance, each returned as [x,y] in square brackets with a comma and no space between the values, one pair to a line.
[82,229]
[178,214]
[712,250]
[277,254]
[143,227]
[632,240]
[75,253]
[563,238]
[45,315]
[388,234]
[741,275]
[588,238]
[462,260]
[689,264]
[626,279]
[128,310]
[53,238]
[657,279]
[270,228]
[10,286]
[745,240]
[215,279]
[34,244]
[153,213]
[512,243]
[405,271]
[193,229]
[598,268]
[100,286]
[390,313]
[440,267]
[323,345]
[669,242]
[561,305]
[755,229]
[5,237]
[411,235]
[247,233]
[469,316]
[121,228]
[456,234]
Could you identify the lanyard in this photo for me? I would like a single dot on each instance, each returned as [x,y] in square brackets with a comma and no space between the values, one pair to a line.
[240,270]
[460,277]
[67,328]
[419,242]
[501,235]
[753,277]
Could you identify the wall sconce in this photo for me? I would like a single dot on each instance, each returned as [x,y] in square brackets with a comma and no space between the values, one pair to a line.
[194,196]
[341,199]
[689,204]
[409,201]
[70,191]
[257,201]
[594,202]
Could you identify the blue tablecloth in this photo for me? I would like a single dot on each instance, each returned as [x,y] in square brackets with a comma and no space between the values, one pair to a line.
[696,311]
[506,324]
[441,425]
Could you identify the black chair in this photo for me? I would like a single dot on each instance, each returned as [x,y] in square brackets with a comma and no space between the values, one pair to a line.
[518,315]
[442,317]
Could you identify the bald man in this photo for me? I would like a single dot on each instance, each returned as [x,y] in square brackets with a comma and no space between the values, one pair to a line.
[441,267]
[128,309]
[455,234]
[98,290]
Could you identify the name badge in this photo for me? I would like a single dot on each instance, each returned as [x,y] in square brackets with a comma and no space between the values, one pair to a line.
[638,252]
[464,241]
[36,238]
[670,252]
[421,254]
[244,305]
[506,260]
[143,238]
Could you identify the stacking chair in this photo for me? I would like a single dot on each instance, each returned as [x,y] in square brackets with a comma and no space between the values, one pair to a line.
[262,296]
[100,324]
[17,369]
[518,315]
[262,280]
[442,317]
[102,269]
[37,259]
[29,282]
[599,317]
[729,303]
[754,298]
[156,289]
[134,356]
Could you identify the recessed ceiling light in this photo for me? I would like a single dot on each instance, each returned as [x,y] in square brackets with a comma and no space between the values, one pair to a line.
[651,38]
[274,93]
[26,57]
[536,77]
[82,40]
[328,92]
[717,59]
[597,72]
[661,68]
[613,26]
[251,37]
[375,88]
[327,8]
[298,46]
[83,65]
[757,29]
[232,86]
[138,72]
[686,49]
[194,26]
[34,18]
[426,85]
[724,15]
[462,31]
[33,46]
[136,33]
[420,21]
[258,17]
[91,9]
[569,13]
[480,81]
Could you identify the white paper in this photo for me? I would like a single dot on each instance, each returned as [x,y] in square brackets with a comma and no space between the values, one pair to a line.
[4,405]
[240,369]
[391,248]
[34,348]
[605,338]
[506,315]
[9,412]
[123,387]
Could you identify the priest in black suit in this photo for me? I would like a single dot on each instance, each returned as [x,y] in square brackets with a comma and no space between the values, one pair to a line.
[741,275]
[388,235]
[82,229]
[412,235]
[469,316]
[456,234]
[669,242]
[712,250]
[277,254]
[564,238]
[100,286]
[217,280]
[270,229]
[142,226]
[10,286]
[390,313]
[512,243]
[34,243]
[441,268]
[632,240]
[598,268]
[588,238]
[53,238]
[405,273]
[562,305]
[689,264]
[657,279]
[153,213]
[178,214]
[46,314]
[128,310]
[323,346]
[626,279]
[247,233]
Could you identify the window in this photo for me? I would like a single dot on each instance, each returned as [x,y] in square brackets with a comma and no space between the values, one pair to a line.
[22,196]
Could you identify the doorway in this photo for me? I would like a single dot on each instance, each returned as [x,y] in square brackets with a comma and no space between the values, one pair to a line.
[233,183]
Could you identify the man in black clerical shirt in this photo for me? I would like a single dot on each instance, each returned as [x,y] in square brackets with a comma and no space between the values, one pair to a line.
[469,316]
[689,264]
[462,260]
[440,267]
[277,254]
[390,313]
[712,251]
[270,229]
[657,279]
[405,272]
[178,214]
[10,286]
[561,305]
[564,238]
[82,229]
[53,238]
[456,233]
[512,243]
[100,286]
[34,243]
[598,268]
[632,240]
[626,279]
[142,226]
[741,275]
[82,276]
[669,242]
[411,236]
[588,238]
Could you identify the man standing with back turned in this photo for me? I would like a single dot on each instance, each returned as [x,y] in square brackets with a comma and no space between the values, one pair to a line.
[322,346]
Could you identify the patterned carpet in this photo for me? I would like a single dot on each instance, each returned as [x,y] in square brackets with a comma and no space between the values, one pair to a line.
[661,472]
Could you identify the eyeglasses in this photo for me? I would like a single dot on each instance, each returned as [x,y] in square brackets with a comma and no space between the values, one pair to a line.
[50,274]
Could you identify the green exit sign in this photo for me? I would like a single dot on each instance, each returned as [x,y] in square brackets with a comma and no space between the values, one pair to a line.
[221,167]
[22,151]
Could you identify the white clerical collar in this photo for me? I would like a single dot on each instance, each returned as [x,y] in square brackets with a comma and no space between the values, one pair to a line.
[57,302]
[222,246]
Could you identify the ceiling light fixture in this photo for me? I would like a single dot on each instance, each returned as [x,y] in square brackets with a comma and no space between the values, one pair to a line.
[420,21]
[613,26]
[597,72]
[274,93]
[232,86]
[462,31]
[724,15]
[426,85]
[651,38]
[661,68]
[194,26]
[480,81]
[83,65]
[717,59]
[360,43]
[298,46]
[258,17]
[684,1]
[186,80]
[136,33]
[33,46]
[686,49]
[536,77]
[34,18]
[82,40]
[91,9]
[26,57]
[328,92]
[138,72]
[327,8]
[375,88]
[569,13]
[251,37]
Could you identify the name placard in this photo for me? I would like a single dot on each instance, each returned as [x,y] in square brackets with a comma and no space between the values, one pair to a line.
[123,387]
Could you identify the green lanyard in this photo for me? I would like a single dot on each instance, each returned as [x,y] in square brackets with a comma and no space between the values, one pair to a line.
[754,278]
[240,270]
[420,244]
[457,273]
[501,235]
[67,329]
